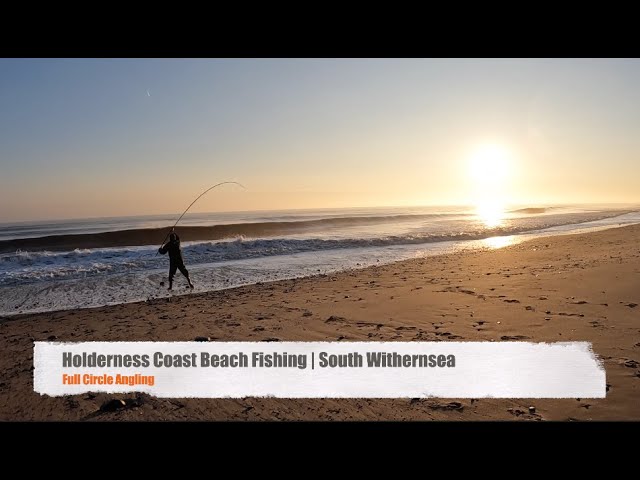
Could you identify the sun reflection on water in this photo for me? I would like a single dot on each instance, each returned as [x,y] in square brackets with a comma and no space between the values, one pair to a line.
[490,213]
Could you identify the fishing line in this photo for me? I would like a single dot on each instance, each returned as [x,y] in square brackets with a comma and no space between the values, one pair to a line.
[197,198]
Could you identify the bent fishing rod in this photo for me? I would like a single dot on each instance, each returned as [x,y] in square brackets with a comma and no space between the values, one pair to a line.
[197,198]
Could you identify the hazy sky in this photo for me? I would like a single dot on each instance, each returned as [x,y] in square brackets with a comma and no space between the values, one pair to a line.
[107,137]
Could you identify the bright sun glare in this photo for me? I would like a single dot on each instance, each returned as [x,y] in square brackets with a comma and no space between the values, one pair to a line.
[489,168]
[489,165]
[491,213]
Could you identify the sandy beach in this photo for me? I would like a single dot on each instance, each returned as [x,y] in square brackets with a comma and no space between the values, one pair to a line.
[583,287]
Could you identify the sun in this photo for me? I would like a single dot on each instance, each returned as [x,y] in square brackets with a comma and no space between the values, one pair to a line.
[489,165]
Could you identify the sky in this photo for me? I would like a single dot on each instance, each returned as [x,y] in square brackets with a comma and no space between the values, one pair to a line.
[83,138]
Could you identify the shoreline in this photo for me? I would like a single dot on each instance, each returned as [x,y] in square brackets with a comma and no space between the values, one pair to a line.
[572,287]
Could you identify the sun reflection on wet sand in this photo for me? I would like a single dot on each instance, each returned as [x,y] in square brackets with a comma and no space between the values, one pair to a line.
[499,242]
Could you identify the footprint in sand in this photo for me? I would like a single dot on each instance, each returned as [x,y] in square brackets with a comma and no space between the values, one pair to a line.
[514,337]
[335,319]
[446,406]
[377,326]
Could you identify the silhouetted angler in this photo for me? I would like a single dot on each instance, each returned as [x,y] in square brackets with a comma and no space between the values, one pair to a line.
[175,258]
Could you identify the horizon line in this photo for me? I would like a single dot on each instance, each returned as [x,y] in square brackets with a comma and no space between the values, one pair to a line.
[526,205]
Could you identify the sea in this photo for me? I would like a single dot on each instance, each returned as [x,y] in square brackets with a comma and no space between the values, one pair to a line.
[66,264]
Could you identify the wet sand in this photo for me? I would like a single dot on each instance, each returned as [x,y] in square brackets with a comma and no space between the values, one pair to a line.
[582,287]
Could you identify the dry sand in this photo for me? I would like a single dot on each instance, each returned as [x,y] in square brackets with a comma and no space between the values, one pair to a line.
[575,287]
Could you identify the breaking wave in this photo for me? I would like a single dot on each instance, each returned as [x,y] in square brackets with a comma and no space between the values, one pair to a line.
[22,266]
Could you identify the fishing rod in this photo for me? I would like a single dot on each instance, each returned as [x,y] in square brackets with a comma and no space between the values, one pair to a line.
[197,198]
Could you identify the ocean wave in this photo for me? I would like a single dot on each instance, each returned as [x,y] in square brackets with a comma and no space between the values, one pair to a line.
[24,266]
[532,210]
[440,222]
[152,236]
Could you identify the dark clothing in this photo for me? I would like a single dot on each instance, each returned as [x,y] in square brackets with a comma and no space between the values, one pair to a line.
[175,258]
[173,248]
[173,266]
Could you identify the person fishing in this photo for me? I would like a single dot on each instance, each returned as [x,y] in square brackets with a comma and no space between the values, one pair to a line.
[173,245]
[175,258]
